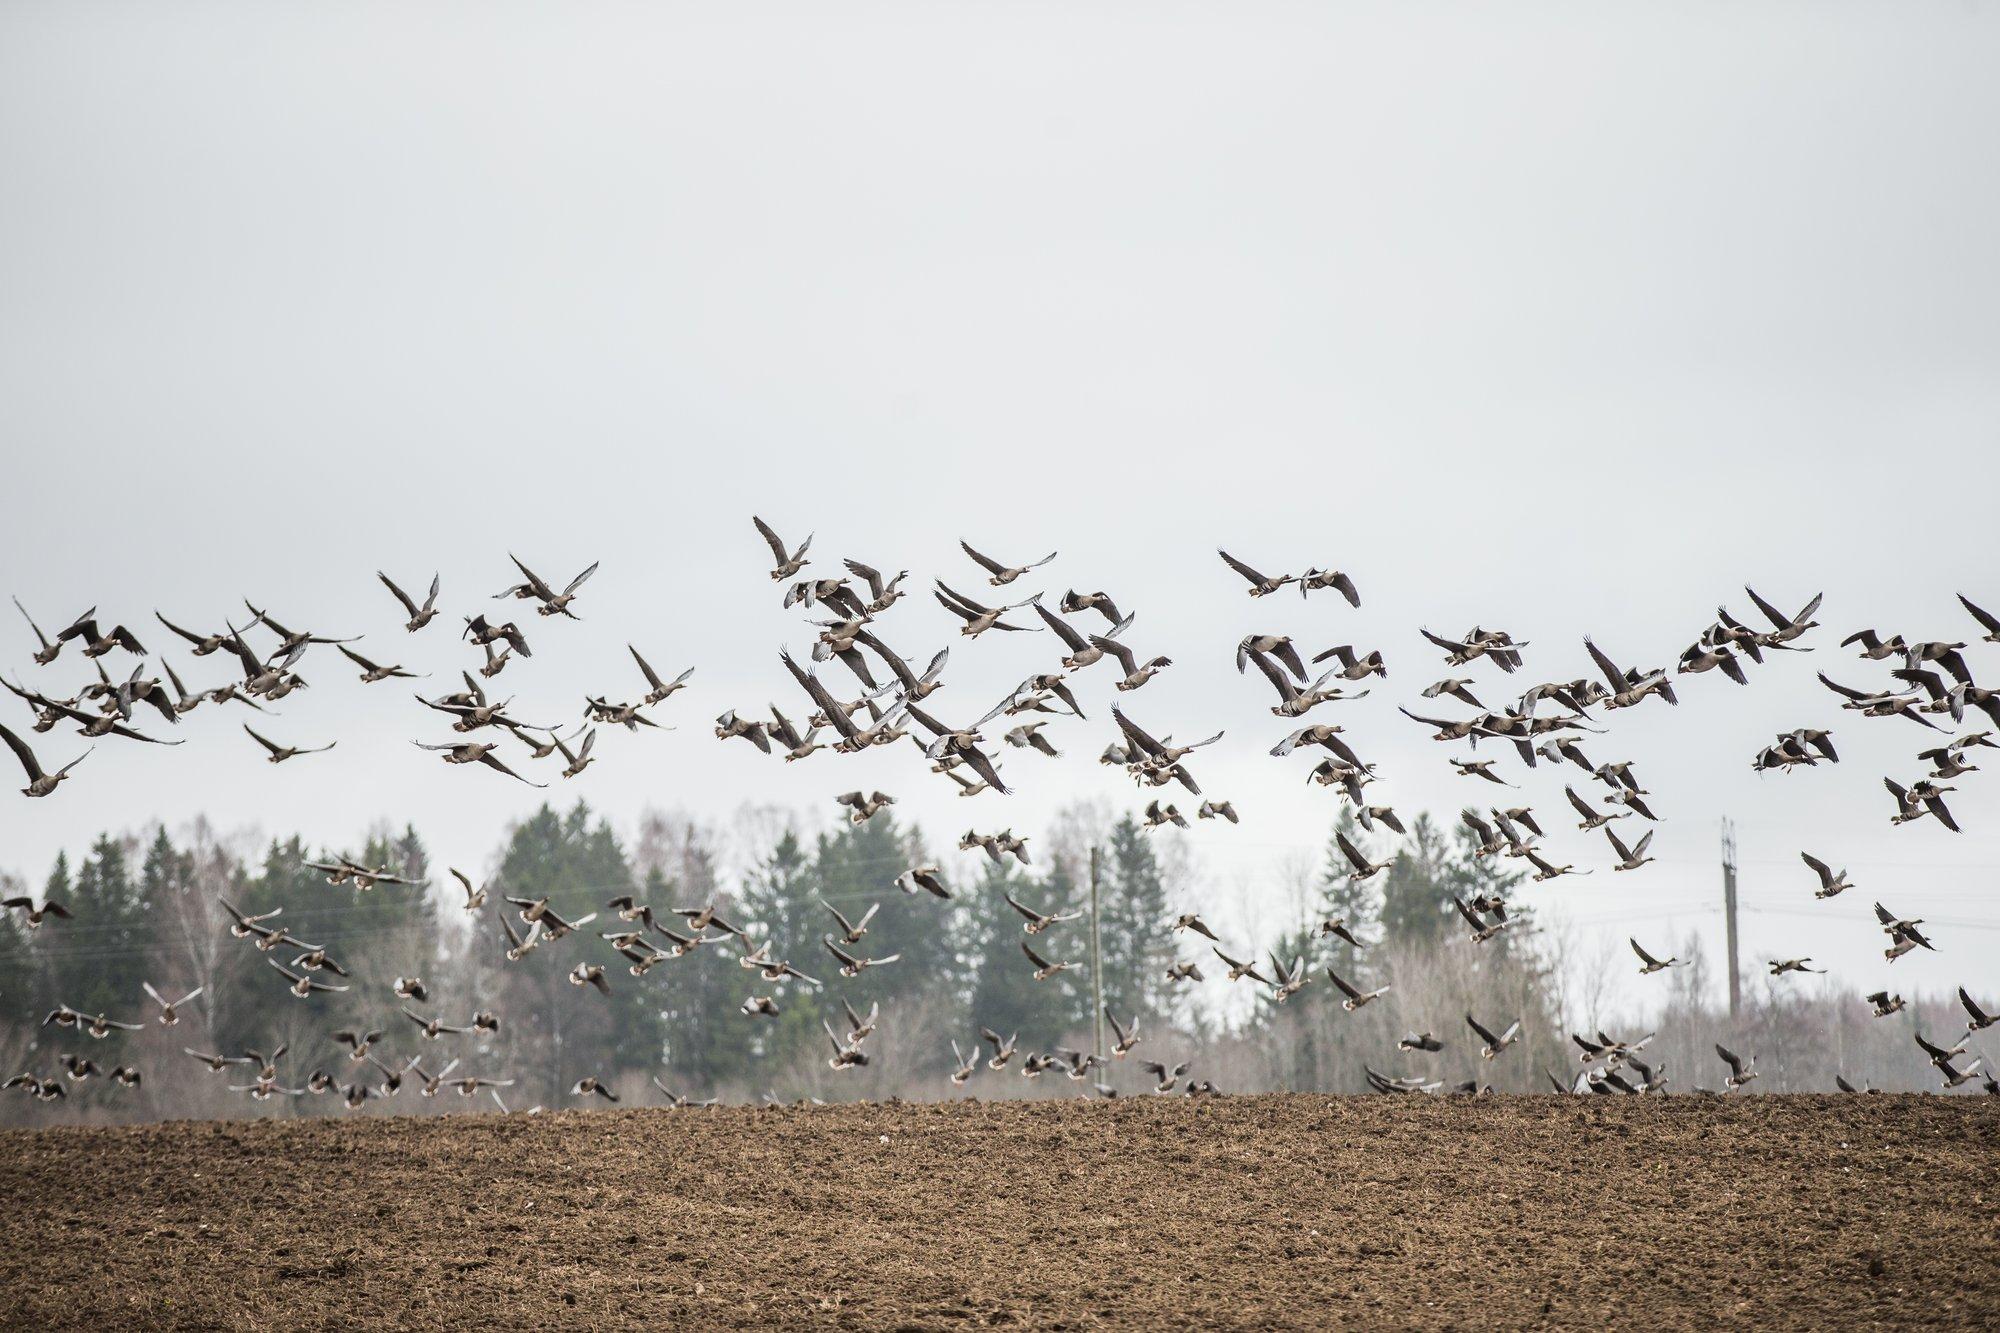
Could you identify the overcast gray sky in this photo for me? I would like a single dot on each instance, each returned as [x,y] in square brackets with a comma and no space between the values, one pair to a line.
[1562,318]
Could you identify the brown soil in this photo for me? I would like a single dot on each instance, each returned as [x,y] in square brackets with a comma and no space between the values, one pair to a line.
[1276,1211]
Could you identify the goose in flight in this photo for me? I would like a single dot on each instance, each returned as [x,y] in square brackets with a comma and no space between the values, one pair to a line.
[1363,867]
[278,754]
[1780,966]
[1137,673]
[846,1055]
[1741,1071]
[1260,584]
[1003,1051]
[979,619]
[851,931]
[420,616]
[551,602]
[852,965]
[928,878]
[49,651]
[1545,872]
[1494,1045]
[965,1065]
[40,783]
[1217,810]
[1002,575]
[1978,1020]
[485,633]
[1074,602]
[1630,858]
[1084,649]
[480,752]
[169,1009]
[864,805]
[883,593]
[1920,799]
[657,690]
[1126,1036]
[1315,579]
[1830,884]
[1482,931]
[95,643]
[1044,969]
[304,983]
[789,562]
[31,915]
[1239,969]
[1882,1003]
[1987,621]
[374,672]
[1649,964]
[1592,817]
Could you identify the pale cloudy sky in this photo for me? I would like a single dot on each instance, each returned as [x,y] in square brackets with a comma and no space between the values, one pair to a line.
[1562,318]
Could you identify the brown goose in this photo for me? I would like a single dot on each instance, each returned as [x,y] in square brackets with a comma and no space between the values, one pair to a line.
[1630,858]
[979,619]
[1137,673]
[1649,964]
[1314,579]
[202,644]
[1044,969]
[1260,585]
[789,562]
[420,616]
[372,672]
[1037,922]
[278,754]
[31,915]
[483,632]
[882,593]
[97,644]
[1074,602]
[1002,575]
[657,690]
[1987,621]
[552,603]
[476,753]
[1084,650]
[39,782]
[170,1009]
[49,651]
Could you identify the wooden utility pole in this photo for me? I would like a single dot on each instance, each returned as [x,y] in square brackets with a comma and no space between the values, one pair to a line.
[1729,913]
[1096,968]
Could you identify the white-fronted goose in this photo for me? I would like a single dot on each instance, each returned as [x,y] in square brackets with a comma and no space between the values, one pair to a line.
[928,878]
[420,616]
[278,754]
[32,914]
[1260,585]
[788,562]
[1649,964]
[1494,1045]
[95,643]
[1355,996]
[40,783]
[1001,575]
[979,619]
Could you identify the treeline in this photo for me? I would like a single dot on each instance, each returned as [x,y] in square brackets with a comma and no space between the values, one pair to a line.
[150,910]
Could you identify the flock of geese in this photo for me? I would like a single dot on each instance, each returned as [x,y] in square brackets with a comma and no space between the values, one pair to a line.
[856,692]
